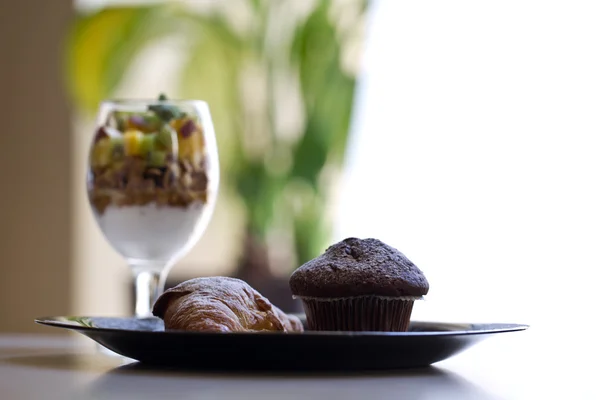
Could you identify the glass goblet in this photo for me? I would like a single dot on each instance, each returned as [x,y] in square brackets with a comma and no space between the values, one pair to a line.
[152,182]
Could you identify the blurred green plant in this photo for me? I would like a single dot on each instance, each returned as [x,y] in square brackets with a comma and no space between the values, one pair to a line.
[280,79]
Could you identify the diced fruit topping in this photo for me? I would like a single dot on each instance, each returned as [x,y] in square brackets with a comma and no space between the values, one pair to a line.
[101,153]
[100,134]
[190,148]
[133,142]
[187,129]
[147,143]
[136,122]
[106,132]
[146,123]
[117,148]
[156,155]
[166,139]
[176,124]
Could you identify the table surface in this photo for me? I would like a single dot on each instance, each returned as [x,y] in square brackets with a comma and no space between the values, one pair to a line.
[521,365]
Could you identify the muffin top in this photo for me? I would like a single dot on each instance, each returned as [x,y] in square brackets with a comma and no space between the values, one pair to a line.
[359,267]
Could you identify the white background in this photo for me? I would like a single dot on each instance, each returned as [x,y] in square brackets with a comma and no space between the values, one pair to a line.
[476,154]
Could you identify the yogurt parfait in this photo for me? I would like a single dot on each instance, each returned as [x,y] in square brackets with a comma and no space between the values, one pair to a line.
[153,177]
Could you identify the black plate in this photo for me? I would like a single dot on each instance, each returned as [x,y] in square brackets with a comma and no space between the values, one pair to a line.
[146,341]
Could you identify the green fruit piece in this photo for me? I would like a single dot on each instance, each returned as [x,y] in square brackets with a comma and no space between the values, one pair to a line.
[147,143]
[154,122]
[120,120]
[166,138]
[157,158]
[144,122]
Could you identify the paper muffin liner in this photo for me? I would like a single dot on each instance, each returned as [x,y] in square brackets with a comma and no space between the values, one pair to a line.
[365,313]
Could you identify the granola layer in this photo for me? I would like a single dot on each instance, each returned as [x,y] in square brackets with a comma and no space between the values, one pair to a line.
[134,183]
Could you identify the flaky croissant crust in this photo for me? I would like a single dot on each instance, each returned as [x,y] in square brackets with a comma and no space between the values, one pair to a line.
[221,304]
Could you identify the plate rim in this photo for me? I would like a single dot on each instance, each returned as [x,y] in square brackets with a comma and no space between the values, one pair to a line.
[53,321]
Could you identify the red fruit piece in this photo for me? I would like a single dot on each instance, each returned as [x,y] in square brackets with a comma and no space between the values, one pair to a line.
[137,122]
[187,129]
[100,134]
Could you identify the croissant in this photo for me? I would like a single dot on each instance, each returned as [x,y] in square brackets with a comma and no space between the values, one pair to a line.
[221,304]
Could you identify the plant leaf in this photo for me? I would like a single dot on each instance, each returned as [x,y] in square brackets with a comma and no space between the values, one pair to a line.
[310,230]
[327,93]
[211,73]
[315,49]
[101,46]
[260,191]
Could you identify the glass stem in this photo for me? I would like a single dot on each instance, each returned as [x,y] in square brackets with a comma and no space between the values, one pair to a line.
[149,284]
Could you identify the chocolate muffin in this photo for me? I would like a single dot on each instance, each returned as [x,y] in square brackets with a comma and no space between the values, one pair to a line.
[359,285]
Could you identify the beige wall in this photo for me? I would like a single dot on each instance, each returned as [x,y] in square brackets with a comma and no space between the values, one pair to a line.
[35,203]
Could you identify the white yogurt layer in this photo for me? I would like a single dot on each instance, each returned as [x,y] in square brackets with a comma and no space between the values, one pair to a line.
[159,234]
